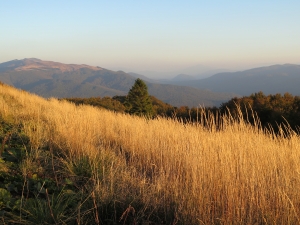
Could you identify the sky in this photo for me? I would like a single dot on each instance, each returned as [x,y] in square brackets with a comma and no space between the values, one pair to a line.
[163,36]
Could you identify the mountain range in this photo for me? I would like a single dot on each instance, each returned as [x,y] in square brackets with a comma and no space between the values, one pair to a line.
[53,79]
[270,80]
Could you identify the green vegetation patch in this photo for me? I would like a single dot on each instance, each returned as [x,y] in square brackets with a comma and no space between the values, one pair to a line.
[29,191]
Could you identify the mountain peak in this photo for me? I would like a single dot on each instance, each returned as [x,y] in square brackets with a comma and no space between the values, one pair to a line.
[38,64]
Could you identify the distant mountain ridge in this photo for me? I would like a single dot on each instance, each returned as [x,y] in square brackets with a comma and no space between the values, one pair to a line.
[53,79]
[34,64]
[271,80]
[182,77]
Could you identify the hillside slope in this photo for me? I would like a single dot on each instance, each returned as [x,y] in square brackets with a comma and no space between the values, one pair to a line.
[61,163]
[51,79]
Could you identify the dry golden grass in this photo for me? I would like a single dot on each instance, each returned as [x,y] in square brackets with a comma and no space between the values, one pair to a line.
[236,174]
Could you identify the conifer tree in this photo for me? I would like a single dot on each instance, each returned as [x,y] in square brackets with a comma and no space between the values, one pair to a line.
[138,101]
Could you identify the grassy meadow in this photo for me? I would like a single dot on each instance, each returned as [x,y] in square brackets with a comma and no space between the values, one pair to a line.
[67,164]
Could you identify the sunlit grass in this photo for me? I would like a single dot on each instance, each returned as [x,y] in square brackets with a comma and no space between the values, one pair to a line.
[134,170]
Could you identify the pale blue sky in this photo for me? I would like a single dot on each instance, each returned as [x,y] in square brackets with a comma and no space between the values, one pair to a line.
[152,35]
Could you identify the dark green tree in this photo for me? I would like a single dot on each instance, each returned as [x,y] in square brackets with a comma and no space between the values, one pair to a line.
[138,101]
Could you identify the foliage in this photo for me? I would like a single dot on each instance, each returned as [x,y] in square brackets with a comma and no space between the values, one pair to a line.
[5,198]
[105,102]
[272,110]
[54,209]
[28,187]
[160,108]
[117,104]
[138,101]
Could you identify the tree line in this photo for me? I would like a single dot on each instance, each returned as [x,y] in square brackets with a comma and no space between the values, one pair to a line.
[271,110]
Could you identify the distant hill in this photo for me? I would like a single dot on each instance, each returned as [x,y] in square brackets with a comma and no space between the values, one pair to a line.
[270,80]
[181,77]
[144,78]
[198,71]
[53,79]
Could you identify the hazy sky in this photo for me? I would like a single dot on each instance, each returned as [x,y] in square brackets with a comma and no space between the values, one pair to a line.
[152,35]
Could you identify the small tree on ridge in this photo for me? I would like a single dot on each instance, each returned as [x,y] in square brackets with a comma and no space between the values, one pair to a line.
[138,101]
